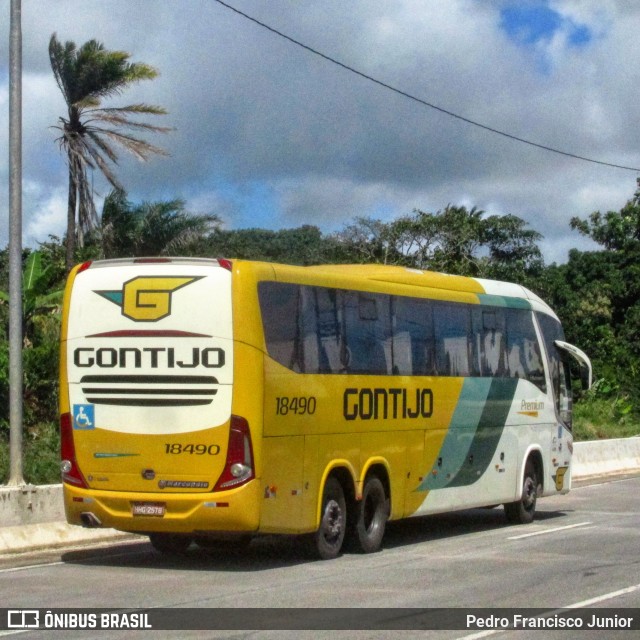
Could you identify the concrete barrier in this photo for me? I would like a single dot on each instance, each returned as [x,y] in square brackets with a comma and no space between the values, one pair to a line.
[31,504]
[32,517]
[605,457]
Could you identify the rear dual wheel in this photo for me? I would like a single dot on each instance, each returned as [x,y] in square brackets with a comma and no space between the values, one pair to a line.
[364,530]
[371,515]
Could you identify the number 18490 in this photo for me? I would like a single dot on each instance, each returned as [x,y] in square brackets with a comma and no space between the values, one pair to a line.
[297,405]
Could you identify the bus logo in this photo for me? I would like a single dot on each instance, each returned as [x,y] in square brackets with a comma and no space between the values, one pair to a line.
[147,298]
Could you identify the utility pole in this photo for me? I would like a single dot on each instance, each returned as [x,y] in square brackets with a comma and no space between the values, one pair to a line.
[15,244]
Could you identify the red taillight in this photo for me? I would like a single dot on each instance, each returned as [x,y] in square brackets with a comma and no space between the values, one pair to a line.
[238,468]
[84,266]
[225,264]
[71,474]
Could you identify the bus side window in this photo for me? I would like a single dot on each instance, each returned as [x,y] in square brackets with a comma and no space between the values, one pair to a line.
[559,370]
[308,325]
[279,306]
[524,356]
[452,332]
[489,342]
[331,346]
[413,340]
[367,329]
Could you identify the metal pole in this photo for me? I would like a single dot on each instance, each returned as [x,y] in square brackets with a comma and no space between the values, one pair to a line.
[15,244]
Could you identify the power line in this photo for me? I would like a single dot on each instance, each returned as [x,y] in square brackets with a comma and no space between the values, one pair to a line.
[420,100]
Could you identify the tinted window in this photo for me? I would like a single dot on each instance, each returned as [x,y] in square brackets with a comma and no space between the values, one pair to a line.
[559,370]
[451,327]
[413,340]
[279,305]
[367,332]
[523,351]
[323,330]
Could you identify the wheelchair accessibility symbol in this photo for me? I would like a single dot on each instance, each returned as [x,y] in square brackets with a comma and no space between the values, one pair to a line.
[84,416]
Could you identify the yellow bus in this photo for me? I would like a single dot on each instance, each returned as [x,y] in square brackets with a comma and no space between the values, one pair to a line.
[204,400]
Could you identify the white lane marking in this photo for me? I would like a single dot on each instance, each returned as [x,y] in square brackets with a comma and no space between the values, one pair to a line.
[577,605]
[542,532]
[606,596]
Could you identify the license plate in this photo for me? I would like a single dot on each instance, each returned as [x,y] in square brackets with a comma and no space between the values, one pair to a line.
[153,509]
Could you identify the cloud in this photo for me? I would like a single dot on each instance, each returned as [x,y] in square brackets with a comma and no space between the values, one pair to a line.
[268,134]
[48,213]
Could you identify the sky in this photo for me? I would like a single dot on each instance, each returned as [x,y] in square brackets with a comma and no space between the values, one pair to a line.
[267,134]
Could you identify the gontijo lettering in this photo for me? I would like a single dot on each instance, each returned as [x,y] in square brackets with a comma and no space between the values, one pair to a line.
[148,357]
[383,404]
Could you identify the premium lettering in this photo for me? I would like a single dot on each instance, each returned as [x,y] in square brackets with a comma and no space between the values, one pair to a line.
[387,404]
[149,357]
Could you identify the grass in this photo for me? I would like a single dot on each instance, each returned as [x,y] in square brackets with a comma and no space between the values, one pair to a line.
[597,419]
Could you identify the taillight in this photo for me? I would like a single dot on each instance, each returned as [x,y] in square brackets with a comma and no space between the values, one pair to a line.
[238,468]
[84,266]
[71,474]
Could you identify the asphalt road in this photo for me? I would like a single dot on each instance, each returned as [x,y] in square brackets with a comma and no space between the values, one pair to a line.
[583,549]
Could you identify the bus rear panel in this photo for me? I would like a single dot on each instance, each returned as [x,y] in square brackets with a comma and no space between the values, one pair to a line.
[148,434]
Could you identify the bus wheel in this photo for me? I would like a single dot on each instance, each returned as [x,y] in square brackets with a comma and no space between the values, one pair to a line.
[523,510]
[371,516]
[330,535]
[170,543]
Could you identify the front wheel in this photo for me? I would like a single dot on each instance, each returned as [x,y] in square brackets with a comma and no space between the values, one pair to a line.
[329,537]
[522,511]
[372,513]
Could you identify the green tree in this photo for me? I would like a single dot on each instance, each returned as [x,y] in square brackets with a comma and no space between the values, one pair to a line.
[614,230]
[456,240]
[302,245]
[150,228]
[601,306]
[91,134]
[38,296]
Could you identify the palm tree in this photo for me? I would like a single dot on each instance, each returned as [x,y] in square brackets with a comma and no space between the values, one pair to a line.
[151,228]
[91,134]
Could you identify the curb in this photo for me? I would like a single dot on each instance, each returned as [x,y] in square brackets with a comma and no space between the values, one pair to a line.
[52,535]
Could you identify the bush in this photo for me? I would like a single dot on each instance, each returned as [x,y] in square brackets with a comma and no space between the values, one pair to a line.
[605,412]
[41,459]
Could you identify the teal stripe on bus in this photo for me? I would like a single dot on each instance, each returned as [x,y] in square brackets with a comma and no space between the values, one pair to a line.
[504,301]
[489,431]
[461,434]
[475,430]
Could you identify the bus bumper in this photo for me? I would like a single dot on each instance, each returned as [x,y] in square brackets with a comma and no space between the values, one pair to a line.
[236,510]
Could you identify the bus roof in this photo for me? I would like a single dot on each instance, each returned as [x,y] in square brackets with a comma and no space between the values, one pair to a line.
[427,279]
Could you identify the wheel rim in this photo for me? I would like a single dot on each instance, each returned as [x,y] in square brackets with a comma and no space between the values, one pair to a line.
[332,522]
[529,494]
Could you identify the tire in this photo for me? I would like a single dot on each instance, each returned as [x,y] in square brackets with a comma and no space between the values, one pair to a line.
[523,511]
[170,543]
[329,537]
[370,520]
